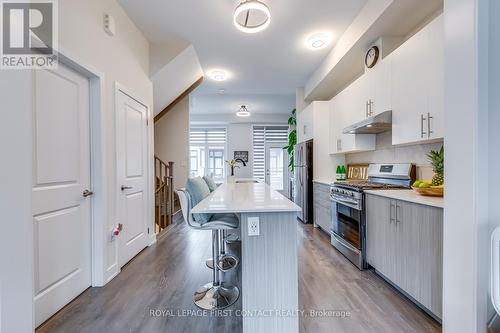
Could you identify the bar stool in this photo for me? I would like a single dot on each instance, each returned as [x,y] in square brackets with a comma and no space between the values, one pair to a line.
[226,261]
[213,295]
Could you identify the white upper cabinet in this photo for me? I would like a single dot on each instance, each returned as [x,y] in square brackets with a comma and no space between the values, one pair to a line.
[343,112]
[379,89]
[417,86]
[436,78]
[305,124]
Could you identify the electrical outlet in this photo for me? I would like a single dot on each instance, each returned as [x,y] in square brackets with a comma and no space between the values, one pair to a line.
[253,226]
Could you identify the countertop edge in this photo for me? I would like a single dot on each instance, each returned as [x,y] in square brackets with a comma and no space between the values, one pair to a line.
[406,196]
[245,211]
[324,182]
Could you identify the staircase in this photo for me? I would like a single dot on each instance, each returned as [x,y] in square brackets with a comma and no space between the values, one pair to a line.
[164,194]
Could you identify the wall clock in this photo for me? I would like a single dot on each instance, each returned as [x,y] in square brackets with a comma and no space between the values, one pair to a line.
[371,57]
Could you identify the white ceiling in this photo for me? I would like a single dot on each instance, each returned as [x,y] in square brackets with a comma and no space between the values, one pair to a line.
[272,62]
[256,104]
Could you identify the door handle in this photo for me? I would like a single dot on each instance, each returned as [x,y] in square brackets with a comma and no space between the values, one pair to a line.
[87,193]
[126,187]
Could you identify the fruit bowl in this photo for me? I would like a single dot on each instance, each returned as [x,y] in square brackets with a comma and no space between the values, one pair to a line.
[429,191]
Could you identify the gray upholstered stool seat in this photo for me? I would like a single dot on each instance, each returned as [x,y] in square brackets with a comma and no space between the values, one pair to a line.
[213,295]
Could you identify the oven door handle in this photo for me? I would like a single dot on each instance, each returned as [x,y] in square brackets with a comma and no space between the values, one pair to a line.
[346,202]
[344,243]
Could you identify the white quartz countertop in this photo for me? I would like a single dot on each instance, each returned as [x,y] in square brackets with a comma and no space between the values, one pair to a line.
[410,196]
[245,198]
[324,181]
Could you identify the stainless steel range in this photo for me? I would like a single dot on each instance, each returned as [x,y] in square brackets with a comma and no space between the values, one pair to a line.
[348,206]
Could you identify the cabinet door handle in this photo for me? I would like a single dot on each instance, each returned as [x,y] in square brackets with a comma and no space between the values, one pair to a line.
[398,209]
[339,144]
[366,109]
[422,119]
[429,117]
[391,213]
[371,107]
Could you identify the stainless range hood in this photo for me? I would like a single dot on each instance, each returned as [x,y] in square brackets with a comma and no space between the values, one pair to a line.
[379,123]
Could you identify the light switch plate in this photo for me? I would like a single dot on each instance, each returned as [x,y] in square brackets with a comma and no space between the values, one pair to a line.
[253,226]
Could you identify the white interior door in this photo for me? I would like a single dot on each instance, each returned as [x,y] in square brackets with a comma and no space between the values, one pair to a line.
[132,170]
[277,175]
[61,174]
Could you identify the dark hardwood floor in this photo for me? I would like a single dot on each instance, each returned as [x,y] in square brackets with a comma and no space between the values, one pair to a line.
[164,277]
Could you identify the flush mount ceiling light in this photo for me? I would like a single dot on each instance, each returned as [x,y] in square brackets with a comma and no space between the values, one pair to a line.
[243,112]
[252,16]
[218,75]
[318,40]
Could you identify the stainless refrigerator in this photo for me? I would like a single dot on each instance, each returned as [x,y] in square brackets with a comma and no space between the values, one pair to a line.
[303,180]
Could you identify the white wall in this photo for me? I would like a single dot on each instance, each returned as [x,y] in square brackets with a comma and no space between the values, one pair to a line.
[239,137]
[239,133]
[16,246]
[124,58]
[466,244]
[172,140]
[162,53]
[494,121]
[175,78]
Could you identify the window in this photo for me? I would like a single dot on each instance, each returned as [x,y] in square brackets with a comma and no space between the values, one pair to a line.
[262,136]
[207,148]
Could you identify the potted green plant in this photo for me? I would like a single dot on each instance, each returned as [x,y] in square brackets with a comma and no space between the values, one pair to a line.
[292,139]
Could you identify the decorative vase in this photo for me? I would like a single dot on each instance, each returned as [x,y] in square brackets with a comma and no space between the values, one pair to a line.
[231,179]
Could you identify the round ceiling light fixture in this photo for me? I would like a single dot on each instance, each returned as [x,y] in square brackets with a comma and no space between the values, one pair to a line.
[318,40]
[243,112]
[218,75]
[251,16]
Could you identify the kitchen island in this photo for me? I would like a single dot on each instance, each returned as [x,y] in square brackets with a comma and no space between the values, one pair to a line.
[269,288]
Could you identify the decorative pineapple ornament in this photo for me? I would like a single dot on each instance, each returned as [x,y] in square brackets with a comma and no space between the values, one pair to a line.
[436,157]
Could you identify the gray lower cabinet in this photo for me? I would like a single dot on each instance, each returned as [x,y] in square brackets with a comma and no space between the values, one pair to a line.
[322,206]
[404,242]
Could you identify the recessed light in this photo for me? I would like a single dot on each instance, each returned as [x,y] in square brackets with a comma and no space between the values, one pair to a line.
[369,125]
[251,16]
[218,75]
[318,40]
[243,112]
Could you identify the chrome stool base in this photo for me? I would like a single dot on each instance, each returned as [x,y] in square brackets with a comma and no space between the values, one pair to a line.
[210,297]
[232,238]
[227,262]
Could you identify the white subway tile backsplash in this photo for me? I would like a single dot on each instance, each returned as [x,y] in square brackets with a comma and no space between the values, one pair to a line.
[386,153]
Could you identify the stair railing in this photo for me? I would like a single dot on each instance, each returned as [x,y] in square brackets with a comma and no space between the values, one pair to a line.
[164,193]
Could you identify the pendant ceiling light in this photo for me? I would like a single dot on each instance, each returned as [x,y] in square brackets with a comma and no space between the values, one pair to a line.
[243,112]
[252,16]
